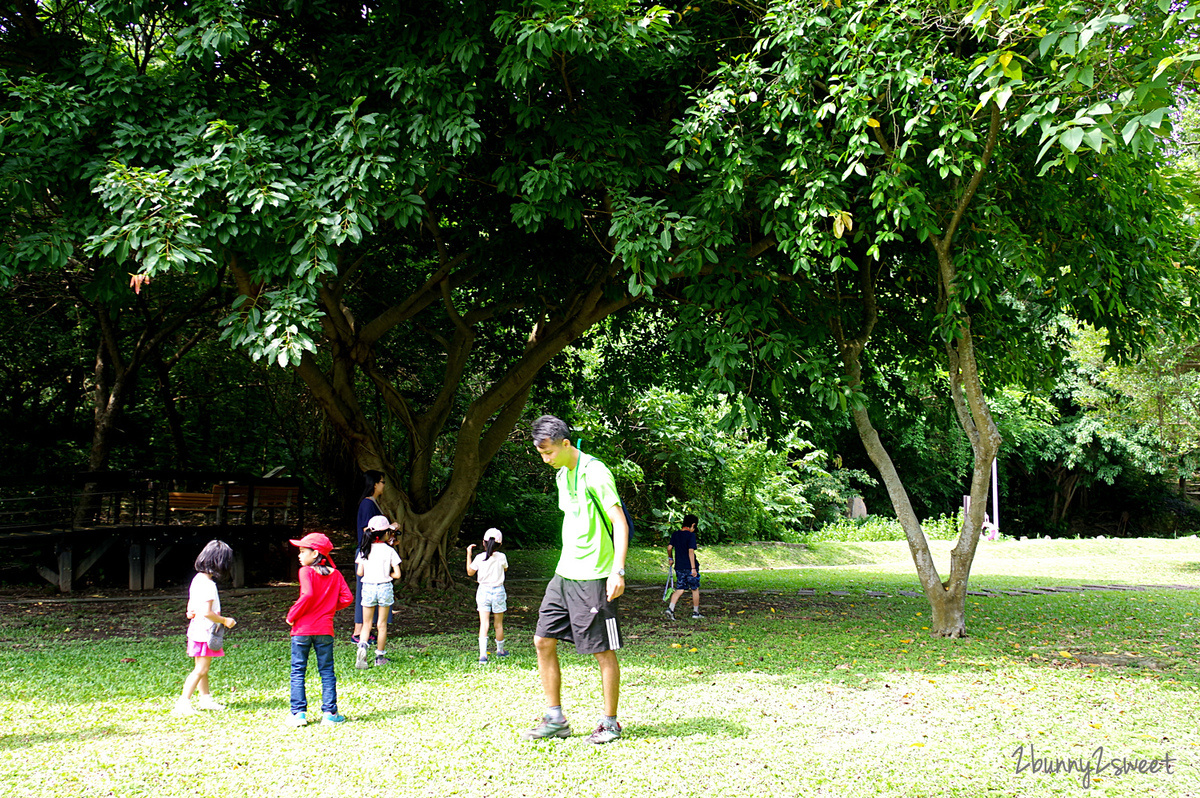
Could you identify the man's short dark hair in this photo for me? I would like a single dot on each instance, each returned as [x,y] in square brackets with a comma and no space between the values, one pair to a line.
[550,428]
[690,520]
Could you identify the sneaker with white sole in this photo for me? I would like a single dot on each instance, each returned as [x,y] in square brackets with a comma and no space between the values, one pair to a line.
[696,615]
[483,661]
[330,718]
[380,659]
[547,728]
[605,733]
[183,708]
[360,661]
[297,719]
[669,613]
[208,702]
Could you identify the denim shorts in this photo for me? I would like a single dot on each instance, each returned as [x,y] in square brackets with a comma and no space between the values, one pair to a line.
[491,599]
[377,594]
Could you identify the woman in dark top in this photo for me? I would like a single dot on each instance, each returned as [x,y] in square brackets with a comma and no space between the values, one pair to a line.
[368,508]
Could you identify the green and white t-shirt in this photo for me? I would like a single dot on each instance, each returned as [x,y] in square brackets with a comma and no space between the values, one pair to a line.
[587,547]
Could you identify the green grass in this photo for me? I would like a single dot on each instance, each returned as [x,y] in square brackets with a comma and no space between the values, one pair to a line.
[773,694]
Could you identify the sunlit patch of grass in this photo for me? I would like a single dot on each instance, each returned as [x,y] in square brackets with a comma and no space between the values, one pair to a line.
[774,693]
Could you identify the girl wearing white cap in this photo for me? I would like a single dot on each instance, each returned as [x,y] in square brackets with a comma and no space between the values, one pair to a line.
[490,598]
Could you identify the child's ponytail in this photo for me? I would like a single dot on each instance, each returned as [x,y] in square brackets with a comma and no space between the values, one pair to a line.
[323,565]
[376,530]
[492,540]
[370,538]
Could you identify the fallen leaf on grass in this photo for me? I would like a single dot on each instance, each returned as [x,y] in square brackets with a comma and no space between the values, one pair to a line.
[676,645]
[1066,654]
[128,659]
[693,650]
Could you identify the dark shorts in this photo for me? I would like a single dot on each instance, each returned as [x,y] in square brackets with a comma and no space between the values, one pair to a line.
[580,613]
[685,581]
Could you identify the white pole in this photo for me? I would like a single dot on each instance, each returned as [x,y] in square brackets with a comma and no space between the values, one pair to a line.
[995,494]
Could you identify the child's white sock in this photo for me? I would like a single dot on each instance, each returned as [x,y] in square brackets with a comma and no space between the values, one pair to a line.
[671,606]
[499,645]
[483,646]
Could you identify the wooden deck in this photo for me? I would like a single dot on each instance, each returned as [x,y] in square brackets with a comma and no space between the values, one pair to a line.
[72,522]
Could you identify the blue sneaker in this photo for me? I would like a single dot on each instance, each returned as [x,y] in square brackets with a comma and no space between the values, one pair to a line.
[297,719]
[332,718]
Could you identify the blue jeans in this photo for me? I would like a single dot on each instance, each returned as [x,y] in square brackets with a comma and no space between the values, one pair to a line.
[323,646]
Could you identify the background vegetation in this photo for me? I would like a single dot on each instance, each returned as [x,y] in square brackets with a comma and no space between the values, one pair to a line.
[228,247]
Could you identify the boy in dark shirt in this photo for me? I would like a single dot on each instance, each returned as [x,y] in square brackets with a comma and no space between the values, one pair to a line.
[687,567]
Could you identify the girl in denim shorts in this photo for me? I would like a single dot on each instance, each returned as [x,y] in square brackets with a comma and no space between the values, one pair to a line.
[490,598]
[378,564]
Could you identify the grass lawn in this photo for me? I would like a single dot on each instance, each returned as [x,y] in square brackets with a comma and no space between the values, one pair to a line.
[774,693]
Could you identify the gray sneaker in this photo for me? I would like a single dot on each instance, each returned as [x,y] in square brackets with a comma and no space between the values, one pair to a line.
[547,728]
[696,614]
[360,661]
[669,613]
[605,733]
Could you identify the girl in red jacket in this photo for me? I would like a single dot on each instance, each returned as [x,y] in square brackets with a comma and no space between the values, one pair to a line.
[323,591]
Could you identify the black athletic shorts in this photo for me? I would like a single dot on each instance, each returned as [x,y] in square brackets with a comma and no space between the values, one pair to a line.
[580,613]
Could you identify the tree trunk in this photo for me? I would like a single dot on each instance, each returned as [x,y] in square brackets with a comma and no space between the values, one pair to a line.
[429,516]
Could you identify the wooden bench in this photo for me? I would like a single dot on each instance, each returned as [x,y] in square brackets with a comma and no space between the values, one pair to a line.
[224,500]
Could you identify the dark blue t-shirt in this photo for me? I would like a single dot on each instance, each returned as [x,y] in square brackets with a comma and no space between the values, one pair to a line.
[681,541]
[368,508]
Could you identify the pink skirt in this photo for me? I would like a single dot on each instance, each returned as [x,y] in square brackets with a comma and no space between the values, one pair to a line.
[195,649]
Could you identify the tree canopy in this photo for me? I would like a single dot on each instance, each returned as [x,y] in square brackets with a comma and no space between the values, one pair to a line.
[419,205]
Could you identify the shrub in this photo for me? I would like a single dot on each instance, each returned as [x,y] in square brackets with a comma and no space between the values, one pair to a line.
[878,528]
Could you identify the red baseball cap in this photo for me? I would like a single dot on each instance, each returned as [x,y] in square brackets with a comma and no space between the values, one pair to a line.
[316,541]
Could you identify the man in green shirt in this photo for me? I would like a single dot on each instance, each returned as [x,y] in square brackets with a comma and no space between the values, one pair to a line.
[580,605]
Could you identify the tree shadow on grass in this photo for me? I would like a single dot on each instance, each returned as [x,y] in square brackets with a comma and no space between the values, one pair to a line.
[688,727]
[9,742]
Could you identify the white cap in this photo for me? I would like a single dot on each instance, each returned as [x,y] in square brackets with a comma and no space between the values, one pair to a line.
[493,533]
[378,523]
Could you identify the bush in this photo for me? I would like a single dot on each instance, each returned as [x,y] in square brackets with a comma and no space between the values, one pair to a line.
[878,528]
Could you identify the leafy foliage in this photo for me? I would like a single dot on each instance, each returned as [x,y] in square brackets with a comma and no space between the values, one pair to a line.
[880,528]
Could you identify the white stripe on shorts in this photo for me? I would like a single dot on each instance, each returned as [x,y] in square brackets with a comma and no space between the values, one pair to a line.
[614,637]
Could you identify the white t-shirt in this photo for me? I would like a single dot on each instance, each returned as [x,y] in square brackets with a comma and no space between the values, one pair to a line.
[201,592]
[377,568]
[490,572]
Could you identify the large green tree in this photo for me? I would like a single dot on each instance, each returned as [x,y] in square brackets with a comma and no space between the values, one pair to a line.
[930,188]
[414,200]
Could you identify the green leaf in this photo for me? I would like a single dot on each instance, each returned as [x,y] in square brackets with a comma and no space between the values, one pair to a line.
[1047,42]
[1071,139]
[1130,130]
